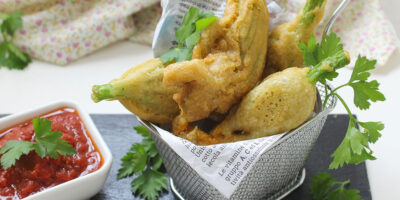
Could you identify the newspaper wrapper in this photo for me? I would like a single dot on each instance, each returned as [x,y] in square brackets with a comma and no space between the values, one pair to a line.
[222,165]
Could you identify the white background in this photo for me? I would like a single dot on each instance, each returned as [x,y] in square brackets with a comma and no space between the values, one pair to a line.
[41,83]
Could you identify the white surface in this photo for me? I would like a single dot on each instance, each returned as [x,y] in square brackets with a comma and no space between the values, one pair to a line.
[41,83]
[82,187]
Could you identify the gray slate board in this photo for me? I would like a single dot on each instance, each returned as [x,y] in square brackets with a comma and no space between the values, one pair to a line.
[118,133]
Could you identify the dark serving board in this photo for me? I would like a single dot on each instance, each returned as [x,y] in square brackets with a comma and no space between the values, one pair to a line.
[117,131]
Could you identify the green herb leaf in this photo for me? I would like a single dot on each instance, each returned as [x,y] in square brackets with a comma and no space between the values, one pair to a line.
[372,130]
[323,188]
[133,162]
[142,131]
[204,21]
[364,91]
[12,23]
[354,148]
[315,53]
[49,142]
[176,55]
[325,58]
[187,27]
[188,35]
[144,160]
[12,151]
[149,184]
[157,162]
[12,56]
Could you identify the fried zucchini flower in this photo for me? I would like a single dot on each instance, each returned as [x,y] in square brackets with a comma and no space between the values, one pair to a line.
[283,50]
[282,102]
[227,62]
[141,91]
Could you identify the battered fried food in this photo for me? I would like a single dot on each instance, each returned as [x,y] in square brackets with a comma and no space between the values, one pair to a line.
[282,102]
[283,50]
[227,62]
[141,91]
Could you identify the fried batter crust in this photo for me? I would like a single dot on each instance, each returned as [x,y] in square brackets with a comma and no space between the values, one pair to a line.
[145,95]
[227,62]
[283,50]
[282,102]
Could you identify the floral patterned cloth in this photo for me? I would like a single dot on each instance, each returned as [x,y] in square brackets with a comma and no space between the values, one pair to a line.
[363,27]
[60,31]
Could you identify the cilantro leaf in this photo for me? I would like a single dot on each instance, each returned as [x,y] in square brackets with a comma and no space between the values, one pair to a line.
[133,162]
[354,148]
[142,131]
[12,23]
[144,160]
[188,35]
[176,55]
[364,91]
[372,130]
[12,151]
[323,188]
[149,184]
[157,162]
[314,53]
[49,142]
[12,56]
[187,27]
[310,52]
[325,58]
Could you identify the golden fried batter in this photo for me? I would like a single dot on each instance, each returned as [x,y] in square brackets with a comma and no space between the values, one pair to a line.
[141,91]
[227,62]
[282,102]
[283,50]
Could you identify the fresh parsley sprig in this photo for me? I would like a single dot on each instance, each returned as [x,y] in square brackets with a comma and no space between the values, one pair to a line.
[325,187]
[143,160]
[11,56]
[188,35]
[47,142]
[354,148]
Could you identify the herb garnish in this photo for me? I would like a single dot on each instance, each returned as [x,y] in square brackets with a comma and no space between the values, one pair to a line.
[11,56]
[188,35]
[47,142]
[143,159]
[354,148]
[323,188]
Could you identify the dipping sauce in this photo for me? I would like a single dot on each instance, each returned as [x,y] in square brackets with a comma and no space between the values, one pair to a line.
[32,174]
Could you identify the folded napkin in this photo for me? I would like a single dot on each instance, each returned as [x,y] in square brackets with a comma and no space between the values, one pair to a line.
[62,31]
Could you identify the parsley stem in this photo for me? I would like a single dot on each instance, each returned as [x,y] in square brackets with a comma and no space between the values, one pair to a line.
[5,37]
[345,105]
[326,95]
[332,93]
[342,184]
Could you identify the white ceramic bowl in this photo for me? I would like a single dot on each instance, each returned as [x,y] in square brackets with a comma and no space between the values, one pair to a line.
[82,187]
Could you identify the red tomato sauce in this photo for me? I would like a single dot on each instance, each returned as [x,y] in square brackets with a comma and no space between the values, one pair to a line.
[32,174]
